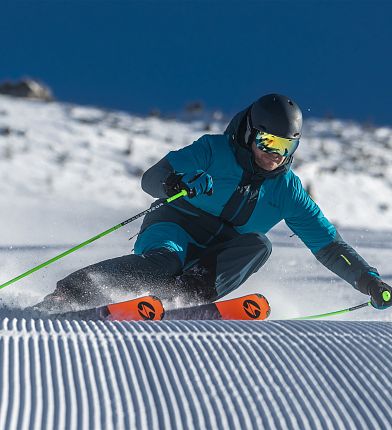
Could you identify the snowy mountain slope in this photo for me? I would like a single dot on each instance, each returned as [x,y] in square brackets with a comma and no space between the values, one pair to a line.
[81,153]
[195,375]
[69,172]
[87,154]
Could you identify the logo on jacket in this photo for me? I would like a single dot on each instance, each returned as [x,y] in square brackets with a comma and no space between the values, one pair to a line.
[252,309]
[146,310]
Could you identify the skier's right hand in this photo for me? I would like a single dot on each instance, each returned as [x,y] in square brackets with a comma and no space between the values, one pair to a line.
[194,183]
[380,293]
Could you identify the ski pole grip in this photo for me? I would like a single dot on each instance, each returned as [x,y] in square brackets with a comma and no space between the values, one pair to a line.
[182,193]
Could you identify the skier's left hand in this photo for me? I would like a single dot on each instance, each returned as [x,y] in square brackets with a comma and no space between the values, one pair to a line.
[380,293]
[196,183]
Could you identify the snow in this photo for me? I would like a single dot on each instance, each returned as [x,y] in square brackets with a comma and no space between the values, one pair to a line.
[88,154]
[195,375]
[70,172]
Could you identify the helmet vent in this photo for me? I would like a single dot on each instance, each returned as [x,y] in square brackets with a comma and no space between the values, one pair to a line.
[291,103]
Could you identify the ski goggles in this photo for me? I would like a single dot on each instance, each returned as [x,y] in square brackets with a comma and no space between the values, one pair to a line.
[275,144]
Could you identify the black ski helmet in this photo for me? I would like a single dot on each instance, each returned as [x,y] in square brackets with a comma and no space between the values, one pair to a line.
[278,115]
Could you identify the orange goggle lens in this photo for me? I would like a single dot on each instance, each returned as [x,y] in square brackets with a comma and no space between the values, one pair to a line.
[275,144]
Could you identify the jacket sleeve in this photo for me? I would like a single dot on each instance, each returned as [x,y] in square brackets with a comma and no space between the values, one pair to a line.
[308,222]
[154,178]
[342,259]
[193,157]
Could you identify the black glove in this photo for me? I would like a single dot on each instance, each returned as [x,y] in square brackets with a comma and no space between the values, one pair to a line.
[195,183]
[379,292]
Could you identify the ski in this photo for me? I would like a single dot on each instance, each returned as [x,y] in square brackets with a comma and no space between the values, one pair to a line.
[250,307]
[150,308]
[146,308]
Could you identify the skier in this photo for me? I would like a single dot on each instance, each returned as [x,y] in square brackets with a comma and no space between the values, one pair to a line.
[207,244]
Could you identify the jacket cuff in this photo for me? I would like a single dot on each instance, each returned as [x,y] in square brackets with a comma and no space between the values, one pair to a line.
[365,280]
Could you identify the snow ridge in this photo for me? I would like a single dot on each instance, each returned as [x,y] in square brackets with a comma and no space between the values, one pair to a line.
[183,374]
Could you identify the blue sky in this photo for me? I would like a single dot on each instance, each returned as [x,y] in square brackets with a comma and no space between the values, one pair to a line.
[332,57]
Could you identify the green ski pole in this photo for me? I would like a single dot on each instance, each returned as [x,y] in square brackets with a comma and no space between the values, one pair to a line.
[386,295]
[330,314]
[98,236]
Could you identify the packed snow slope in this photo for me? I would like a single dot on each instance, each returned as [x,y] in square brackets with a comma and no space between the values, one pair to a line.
[195,375]
[70,172]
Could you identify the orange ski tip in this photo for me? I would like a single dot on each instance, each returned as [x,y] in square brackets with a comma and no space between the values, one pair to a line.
[147,308]
[249,307]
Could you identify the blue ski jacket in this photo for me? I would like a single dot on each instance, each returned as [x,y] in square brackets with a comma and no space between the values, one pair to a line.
[246,199]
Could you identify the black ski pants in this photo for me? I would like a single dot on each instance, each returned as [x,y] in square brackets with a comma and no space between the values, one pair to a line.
[219,270]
